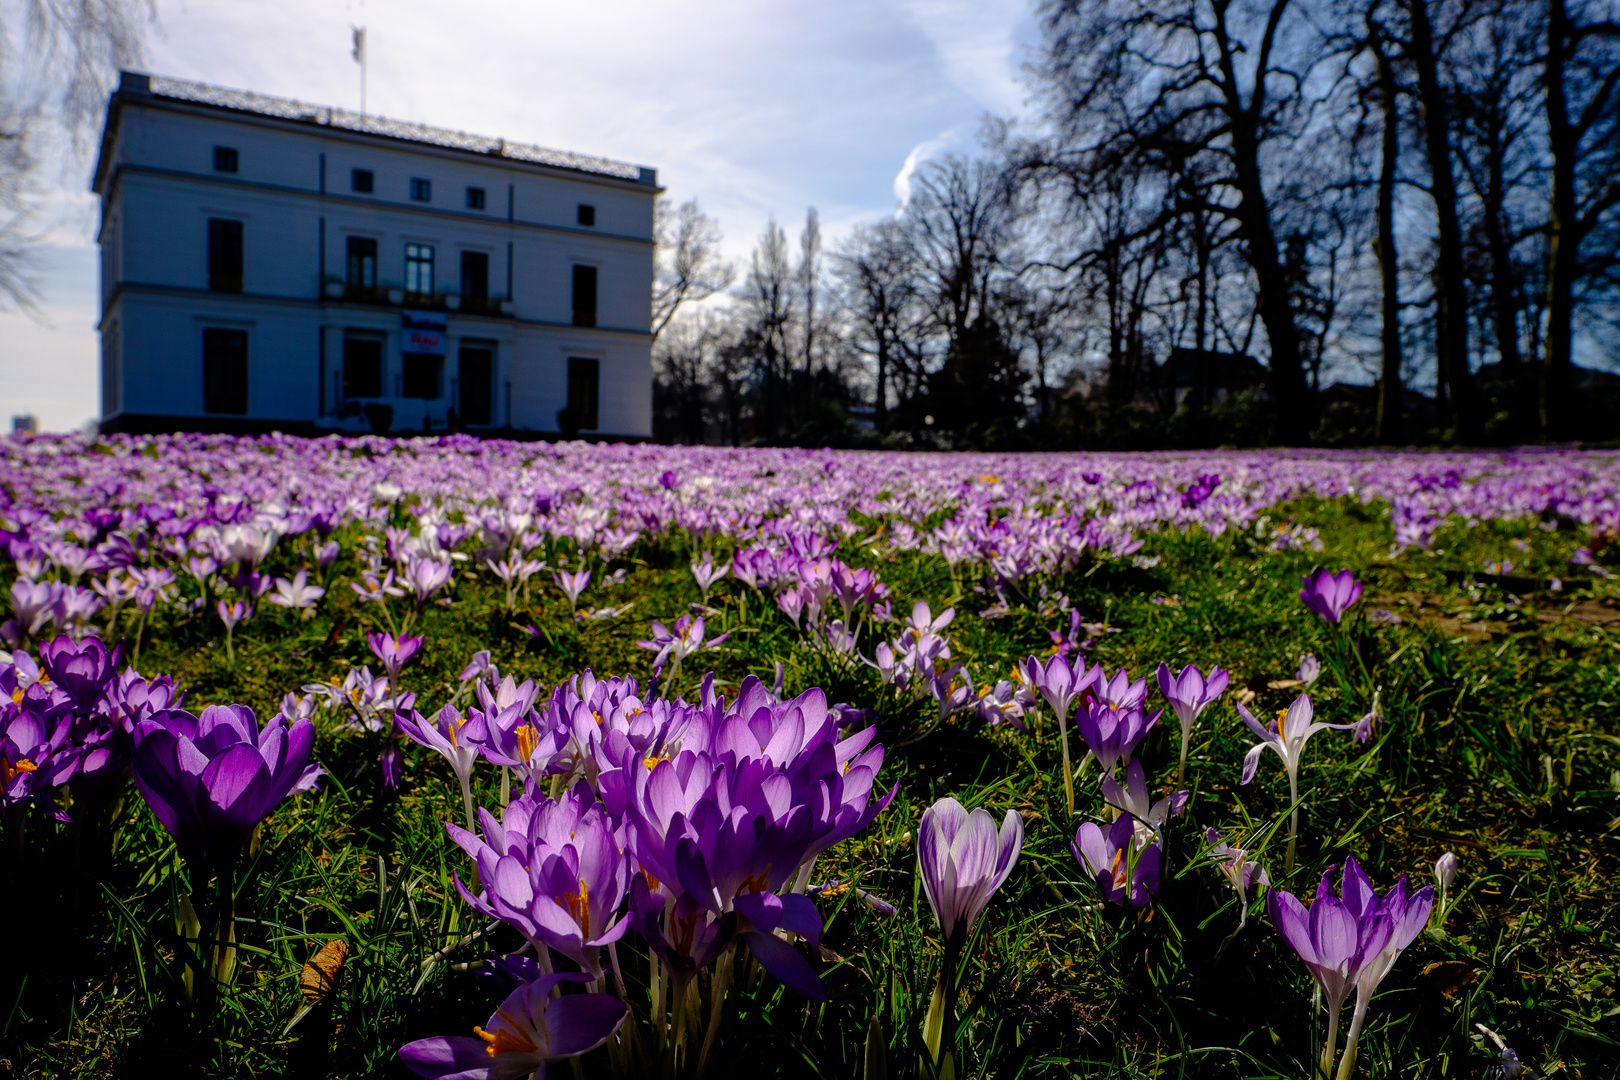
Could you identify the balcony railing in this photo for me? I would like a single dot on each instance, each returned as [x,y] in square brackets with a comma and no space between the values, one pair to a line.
[384,296]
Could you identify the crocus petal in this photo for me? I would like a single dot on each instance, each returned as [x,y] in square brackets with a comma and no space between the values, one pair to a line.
[783,961]
[579,1023]
[1251,762]
[448,1057]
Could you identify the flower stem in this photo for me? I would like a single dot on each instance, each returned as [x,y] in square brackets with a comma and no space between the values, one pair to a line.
[1068,773]
[1348,1064]
[1293,819]
[1181,770]
[466,802]
[1325,1065]
[223,964]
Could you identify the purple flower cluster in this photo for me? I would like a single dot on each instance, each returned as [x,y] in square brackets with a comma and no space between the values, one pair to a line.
[694,823]
[67,720]
[1350,942]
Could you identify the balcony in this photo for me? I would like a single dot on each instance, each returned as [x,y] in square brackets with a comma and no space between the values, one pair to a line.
[384,296]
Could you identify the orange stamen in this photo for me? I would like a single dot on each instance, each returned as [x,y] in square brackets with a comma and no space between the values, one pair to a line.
[506,1040]
[578,905]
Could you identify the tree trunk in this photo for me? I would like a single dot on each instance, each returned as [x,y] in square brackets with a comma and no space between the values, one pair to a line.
[1451,287]
[1390,428]
[1290,420]
[880,412]
[1563,238]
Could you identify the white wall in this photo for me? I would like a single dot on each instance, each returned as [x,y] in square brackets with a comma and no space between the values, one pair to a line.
[161,189]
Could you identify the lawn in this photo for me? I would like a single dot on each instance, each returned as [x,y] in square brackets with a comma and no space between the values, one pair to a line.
[1483,641]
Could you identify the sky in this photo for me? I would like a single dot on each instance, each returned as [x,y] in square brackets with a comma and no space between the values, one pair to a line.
[757,108]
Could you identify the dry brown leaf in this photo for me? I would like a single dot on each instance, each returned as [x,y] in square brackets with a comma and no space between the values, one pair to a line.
[1449,976]
[321,972]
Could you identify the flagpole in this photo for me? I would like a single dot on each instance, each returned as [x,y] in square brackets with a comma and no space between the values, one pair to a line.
[359,55]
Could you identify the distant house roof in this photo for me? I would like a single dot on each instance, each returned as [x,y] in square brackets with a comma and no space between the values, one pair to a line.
[1210,369]
[161,86]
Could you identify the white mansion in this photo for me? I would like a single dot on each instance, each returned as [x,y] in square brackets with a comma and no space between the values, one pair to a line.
[267,264]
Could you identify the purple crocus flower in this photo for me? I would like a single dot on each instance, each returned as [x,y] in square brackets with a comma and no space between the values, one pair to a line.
[210,779]
[443,735]
[394,652]
[1126,874]
[1240,871]
[530,1029]
[1189,694]
[554,870]
[674,646]
[1287,738]
[1112,734]
[1060,683]
[391,761]
[426,576]
[963,860]
[83,669]
[35,755]
[572,585]
[1349,942]
[1330,595]
[1134,799]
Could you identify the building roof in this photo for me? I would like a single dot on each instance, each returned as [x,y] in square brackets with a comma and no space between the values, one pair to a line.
[161,86]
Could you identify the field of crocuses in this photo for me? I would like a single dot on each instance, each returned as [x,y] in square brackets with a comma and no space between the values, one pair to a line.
[450,758]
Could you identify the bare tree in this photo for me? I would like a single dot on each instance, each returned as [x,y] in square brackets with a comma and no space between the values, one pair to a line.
[690,268]
[1154,85]
[1581,78]
[874,270]
[53,82]
[1388,424]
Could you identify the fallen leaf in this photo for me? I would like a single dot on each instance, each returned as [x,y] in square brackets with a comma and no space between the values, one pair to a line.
[320,974]
[1449,976]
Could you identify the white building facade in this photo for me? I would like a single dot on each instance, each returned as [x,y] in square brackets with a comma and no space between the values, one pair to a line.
[270,265]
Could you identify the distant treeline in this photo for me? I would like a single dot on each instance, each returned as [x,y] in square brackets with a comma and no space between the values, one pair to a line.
[1394,192]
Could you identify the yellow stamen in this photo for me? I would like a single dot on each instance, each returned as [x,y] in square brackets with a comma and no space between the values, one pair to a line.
[1117,869]
[578,905]
[506,1040]
[17,696]
[9,771]
[759,883]
[526,741]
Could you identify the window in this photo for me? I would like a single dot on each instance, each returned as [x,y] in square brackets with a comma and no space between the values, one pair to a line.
[225,159]
[362,367]
[584,296]
[584,379]
[475,275]
[421,190]
[477,381]
[224,255]
[475,198]
[362,180]
[362,269]
[225,385]
[421,372]
[587,214]
[419,268]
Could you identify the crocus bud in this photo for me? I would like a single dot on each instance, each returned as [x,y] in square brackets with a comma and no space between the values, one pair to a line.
[1445,869]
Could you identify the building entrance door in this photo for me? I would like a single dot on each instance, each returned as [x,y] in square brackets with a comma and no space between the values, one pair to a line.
[477,371]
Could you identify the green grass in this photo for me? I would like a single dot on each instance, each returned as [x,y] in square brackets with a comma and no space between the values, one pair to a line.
[1501,743]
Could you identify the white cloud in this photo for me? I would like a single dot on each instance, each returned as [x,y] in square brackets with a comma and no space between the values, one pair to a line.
[919,154]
